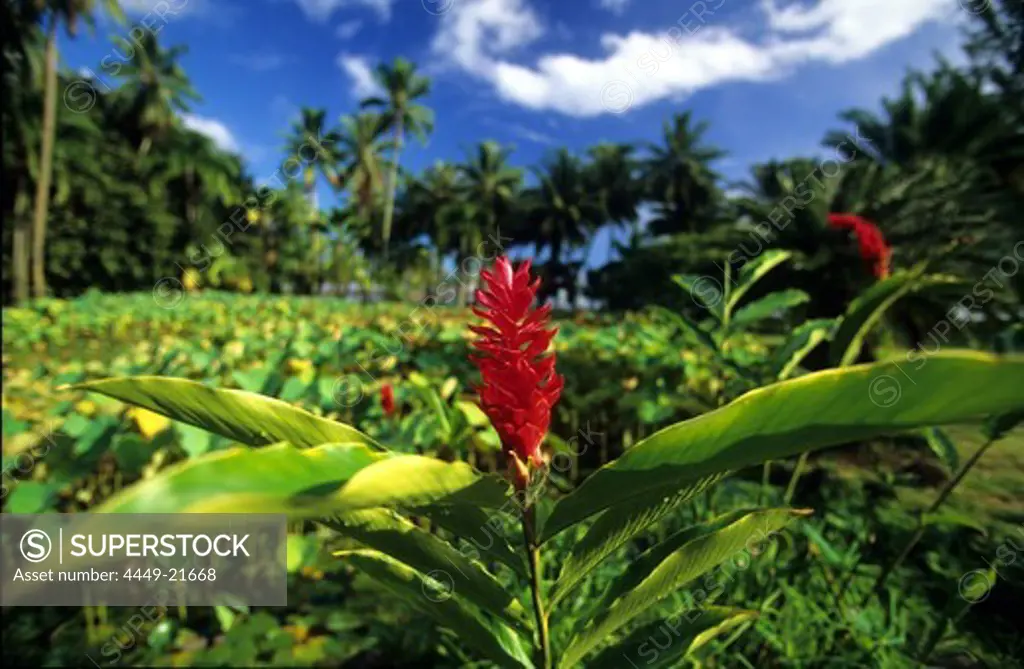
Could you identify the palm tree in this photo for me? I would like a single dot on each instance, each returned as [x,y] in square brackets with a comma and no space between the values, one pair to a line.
[161,88]
[308,131]
[563,211]
[434,205]
[490,187]
[612,175]
[361,147]
[995,45]
[22,63]
[53,13]
[680,181]
[402,87]
[206,174]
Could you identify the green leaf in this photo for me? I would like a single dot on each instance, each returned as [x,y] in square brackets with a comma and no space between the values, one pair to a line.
[388,532]
[811,412]
[434,401]
[416,481]
[275,479]
[997,427]
[685,633]
[661,576]
[613,529]
[769,520]
[702,336]
[943,446]
[307,483]
[483,530]
[704,290]
[303,551]
[867,309]
[31,497]
[434,598]
[194,440]
[768,306]
[254,420]
[688,327]
[798,346]
[753,271]
[949,517]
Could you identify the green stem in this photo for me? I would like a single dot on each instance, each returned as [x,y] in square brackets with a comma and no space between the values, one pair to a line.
[766,475]
[947,490]
[533,549]
[797,473]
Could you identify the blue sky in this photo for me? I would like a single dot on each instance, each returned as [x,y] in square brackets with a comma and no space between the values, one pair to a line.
[768,75]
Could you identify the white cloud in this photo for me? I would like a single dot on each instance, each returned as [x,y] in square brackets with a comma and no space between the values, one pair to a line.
[261,62]
[699,51]
[213,129]
[348,29]
[321,10]
[615,6]
[359,71]
[475,30]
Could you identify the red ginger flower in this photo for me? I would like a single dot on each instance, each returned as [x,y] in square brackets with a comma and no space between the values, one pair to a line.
[873,248]
[520,385]
[387,399]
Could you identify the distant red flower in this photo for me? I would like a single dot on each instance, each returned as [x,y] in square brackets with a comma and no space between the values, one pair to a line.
[519,384]
[387,399]
[873,248]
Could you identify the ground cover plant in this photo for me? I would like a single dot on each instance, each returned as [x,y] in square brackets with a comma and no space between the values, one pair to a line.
[578,564]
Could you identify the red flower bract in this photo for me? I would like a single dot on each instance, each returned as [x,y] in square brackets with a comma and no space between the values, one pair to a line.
[387,399]
[519,384]
[873,248]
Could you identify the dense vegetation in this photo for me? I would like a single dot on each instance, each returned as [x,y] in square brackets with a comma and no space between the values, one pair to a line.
[131,196]
[136,247]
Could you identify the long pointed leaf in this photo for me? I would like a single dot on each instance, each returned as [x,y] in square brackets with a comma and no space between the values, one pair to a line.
[431,597]
[248,418]
[275,479]
[690,283]
[613,529]
[638,569]
[808,413]
[798,345]
[388,532]
[416,480]
[688,562]
[682,634]
[482,530]
[767,306]
[307,483]
[753,271]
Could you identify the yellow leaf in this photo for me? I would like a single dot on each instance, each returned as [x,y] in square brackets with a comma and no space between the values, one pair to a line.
[150,424]
[86,408]
[299,365]
[449,387]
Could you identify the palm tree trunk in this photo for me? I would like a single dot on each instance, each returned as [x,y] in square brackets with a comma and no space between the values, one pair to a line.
[460,257]
[20,245]
[389,206]
[45,164]
[586,257]
[190,201]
